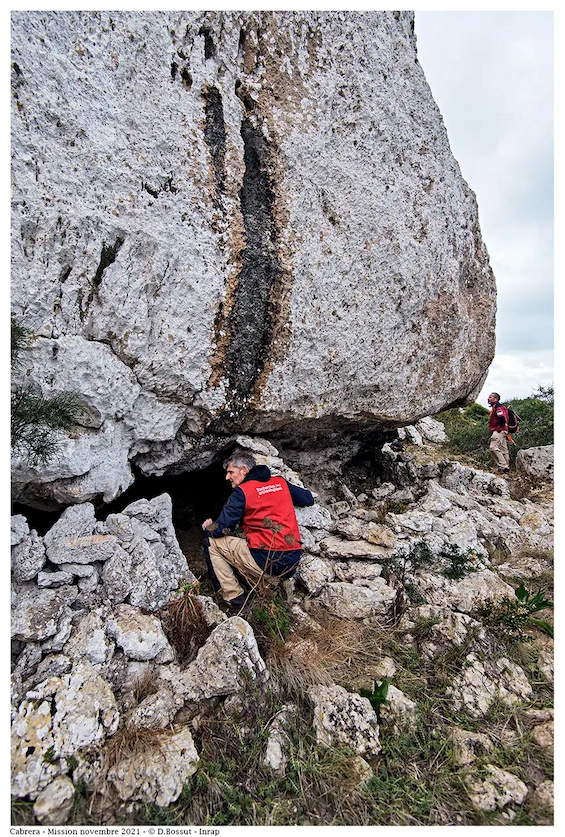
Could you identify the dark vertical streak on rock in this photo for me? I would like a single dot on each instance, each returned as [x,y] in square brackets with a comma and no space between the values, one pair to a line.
[107,257]
[215,135]
[251,321]
[209,46]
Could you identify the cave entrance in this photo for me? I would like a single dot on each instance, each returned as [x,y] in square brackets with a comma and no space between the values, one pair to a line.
[195,496]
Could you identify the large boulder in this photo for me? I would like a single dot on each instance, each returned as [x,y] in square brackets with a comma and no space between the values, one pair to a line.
[537,463]
[208,206]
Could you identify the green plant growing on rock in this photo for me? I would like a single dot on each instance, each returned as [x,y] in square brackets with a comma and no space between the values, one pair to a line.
[274,618]
[417,557]
[515,616]
[378,696]
[35,420]
[460,563]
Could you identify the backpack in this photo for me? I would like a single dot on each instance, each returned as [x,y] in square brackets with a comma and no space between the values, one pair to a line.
[513,421]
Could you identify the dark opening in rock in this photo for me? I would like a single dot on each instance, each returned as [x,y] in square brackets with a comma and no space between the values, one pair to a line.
[195,495]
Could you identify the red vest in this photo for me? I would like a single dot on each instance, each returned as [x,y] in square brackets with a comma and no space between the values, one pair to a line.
[269,521]
[497,412]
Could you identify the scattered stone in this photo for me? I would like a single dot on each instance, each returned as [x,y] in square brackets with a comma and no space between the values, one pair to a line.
[352,601]
[466,594]
[85,549]
[340,508]
[314,573]
[36,613]
[540,803]
[88,640]
[537,463]
[28,554]
[140,636]
[54,579]
[383,491]
[59,717]
[53,805]
[468,746]
[226,663]
[278,742]
[158,773]
[398,713]
[432,430]
[342,719]
[334,547]
[482,682]
[543,736]
[497,789]
[19,529]
[117,576]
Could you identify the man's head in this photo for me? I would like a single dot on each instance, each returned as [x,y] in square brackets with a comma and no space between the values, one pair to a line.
[237,467]
[493,398]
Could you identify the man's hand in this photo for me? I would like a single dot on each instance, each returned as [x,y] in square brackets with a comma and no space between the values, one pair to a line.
[208,525]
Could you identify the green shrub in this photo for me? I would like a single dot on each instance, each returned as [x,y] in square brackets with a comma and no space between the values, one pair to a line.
[515,616]
[35,420]
[459,564]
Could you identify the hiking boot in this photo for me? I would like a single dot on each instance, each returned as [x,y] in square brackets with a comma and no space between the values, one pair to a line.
[504,470]
[236,604]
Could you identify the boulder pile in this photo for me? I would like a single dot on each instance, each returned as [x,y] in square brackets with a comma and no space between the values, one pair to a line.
[95,671]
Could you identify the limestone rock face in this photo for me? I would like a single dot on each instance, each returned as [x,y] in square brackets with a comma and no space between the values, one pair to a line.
[210,206]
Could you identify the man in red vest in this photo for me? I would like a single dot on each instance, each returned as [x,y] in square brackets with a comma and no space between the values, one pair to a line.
[498,427]
[263,506]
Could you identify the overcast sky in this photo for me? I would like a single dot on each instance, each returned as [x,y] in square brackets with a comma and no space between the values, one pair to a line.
[491,75]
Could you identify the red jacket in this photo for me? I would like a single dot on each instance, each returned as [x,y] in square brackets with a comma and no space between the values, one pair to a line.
[269,521]
[498,419]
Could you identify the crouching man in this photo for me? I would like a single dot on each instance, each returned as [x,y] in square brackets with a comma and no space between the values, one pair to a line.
[263,506]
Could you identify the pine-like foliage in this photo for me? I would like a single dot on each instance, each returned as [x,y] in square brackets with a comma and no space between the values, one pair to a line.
[35,420]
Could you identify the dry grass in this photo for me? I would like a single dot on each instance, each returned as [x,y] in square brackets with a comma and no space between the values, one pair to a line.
[184,623]
[342,651]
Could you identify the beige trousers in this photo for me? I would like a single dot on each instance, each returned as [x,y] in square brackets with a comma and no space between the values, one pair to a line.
[228,552]
[499,449]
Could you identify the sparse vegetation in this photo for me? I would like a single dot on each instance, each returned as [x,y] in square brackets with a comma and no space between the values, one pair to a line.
[35,420]
[515,616]
[459,563]
[184,623]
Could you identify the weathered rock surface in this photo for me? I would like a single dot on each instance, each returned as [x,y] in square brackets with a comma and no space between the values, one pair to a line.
[342,719]
[537,463]
[54,803]
[157,773]
[60,717]
[278,743]
[496,790]
[136,259]
[483,682]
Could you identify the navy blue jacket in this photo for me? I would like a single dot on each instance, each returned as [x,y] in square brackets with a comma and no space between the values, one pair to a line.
[279,562]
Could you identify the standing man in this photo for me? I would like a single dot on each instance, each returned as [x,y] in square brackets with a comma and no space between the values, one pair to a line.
[498,427]
[264,507]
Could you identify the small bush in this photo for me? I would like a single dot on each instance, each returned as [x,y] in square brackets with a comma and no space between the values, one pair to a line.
[274,617]
[459,564]
[183,622]
[515,616]
[35,420]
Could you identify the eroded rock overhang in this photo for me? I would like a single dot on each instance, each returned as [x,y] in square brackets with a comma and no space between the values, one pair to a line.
[231,222]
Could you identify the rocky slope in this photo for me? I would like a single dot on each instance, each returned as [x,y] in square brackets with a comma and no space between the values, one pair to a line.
[418,556]
[235,222]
